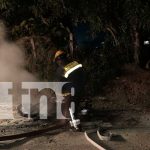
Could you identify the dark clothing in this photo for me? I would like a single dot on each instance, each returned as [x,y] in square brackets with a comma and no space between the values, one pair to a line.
[76,80]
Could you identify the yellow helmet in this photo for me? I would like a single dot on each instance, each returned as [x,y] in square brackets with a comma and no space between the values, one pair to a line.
[58,53]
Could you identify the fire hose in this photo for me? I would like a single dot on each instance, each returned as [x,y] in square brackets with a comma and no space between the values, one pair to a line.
[100,136]
[92,141]
[54,127]
[32,133]
[74,123]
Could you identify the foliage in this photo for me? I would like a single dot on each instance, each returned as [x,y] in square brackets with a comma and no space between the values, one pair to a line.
[120,20]
[102,64]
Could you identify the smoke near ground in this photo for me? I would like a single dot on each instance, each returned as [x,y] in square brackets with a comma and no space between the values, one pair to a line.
[12,69]
[12,61]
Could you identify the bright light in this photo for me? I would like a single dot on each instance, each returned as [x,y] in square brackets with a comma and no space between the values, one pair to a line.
[146,42]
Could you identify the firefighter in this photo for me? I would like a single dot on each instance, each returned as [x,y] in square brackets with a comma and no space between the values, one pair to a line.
[72,72]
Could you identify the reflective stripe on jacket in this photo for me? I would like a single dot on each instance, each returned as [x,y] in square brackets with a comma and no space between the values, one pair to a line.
[69,68]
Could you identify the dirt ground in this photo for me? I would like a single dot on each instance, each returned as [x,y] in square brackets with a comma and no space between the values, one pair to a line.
[125,105]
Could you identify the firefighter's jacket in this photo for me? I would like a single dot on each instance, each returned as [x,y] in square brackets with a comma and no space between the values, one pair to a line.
[72,73]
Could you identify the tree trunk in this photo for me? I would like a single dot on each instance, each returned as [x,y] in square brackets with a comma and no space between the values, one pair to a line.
[136,44]
[136,48]
[33,47]
[70,42]
[71,39]
[113,35]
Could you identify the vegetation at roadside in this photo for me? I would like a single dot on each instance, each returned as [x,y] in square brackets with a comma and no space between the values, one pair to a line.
[47,25]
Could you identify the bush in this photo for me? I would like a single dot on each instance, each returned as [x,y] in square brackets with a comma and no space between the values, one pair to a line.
[101,65]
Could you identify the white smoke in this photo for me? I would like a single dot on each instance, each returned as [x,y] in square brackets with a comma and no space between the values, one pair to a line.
[12,65]
[12,61]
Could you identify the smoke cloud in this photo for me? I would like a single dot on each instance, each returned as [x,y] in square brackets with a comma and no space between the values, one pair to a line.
[12,61]
[12,69]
